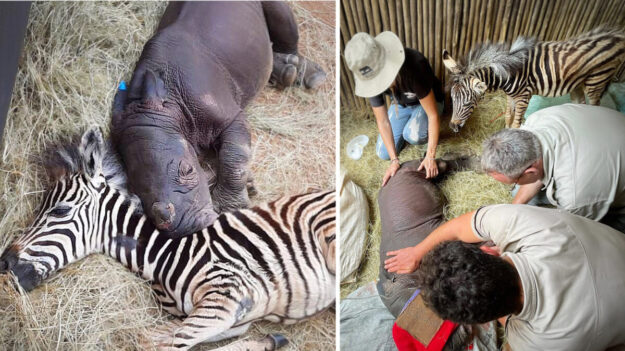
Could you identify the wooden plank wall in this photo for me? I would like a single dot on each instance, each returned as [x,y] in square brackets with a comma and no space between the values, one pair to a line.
[456,25]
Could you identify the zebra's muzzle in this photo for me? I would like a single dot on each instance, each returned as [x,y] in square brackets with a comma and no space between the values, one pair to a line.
[454,127]
[25,272]
[27,275]
[8,260]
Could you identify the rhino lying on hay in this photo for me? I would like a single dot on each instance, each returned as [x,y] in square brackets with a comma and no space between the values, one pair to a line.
[185,103]
[411,207]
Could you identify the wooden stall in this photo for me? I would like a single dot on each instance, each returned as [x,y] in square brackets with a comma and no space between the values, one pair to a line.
[457,25]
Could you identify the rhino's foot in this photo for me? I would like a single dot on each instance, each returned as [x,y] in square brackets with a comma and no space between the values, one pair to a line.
[226,200]
[310,75]
[288,75]
[284,71]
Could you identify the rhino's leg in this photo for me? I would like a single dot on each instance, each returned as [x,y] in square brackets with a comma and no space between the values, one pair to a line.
[171,14]
[281,26]
[230,192]
[284,35]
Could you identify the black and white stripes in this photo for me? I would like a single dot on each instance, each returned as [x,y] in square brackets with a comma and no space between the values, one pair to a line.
[582,65]
[275,261]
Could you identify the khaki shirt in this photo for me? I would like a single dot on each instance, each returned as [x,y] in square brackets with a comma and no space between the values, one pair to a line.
[583,157]
[572,271]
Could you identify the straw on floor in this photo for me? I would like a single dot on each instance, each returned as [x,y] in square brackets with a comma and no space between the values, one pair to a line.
[74,56]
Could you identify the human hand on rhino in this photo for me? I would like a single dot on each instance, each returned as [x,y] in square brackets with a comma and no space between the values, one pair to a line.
[403,261]
[407,260]
[390,171]
[429,166]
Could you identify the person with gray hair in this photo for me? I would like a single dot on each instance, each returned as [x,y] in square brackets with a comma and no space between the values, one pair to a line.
[575,153]
[510,152]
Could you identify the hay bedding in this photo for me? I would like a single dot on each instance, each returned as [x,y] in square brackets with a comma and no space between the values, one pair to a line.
[74,55]
[465,191]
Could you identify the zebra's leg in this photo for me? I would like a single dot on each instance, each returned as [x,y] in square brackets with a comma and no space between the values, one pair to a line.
[594,88]
[169,305]
[509,111]
[270,342]
[520,106]
[577,94]
[213,318]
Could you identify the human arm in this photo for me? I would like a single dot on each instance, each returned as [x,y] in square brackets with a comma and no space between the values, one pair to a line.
[407,260]
[386,131]
[527,192]
[429,164]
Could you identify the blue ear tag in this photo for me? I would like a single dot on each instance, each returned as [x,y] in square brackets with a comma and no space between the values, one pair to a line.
[122,86]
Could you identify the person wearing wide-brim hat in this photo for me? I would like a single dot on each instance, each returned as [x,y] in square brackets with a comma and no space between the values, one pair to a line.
[381,66]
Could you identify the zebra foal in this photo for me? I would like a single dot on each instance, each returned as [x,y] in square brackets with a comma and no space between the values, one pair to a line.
[582,65]
[274,262]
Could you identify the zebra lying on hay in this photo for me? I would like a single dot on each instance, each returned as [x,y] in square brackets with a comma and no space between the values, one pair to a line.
[275,261]
[585,64]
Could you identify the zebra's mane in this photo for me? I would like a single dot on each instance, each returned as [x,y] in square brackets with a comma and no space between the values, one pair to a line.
[603,29]
[67,158]
[504,59]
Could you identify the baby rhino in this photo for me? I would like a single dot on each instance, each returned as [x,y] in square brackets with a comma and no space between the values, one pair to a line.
[185,104]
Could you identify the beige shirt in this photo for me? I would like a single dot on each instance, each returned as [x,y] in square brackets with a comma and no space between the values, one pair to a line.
[583,157]
[572,271]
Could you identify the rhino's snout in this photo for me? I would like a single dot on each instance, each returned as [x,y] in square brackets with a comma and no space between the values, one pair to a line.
[164,215]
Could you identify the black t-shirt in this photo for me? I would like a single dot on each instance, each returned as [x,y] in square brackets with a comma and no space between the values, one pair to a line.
[416,81]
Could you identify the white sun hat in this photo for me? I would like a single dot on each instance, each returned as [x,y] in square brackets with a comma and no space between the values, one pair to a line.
[375,62]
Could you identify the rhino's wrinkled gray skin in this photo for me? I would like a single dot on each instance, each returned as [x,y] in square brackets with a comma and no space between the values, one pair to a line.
[185,104]
[411,207]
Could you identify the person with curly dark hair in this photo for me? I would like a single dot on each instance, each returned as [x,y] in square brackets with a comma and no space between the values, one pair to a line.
[558,284]
[463,284]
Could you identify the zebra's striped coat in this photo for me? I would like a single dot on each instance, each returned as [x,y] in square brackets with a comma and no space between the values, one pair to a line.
[274,261]
[582,65]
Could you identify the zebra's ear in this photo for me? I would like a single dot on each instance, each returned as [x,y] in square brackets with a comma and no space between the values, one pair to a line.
[91,151]
[450,63]
[61,162]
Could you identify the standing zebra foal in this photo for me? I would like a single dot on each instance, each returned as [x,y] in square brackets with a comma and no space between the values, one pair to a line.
[275,261]
[582,65]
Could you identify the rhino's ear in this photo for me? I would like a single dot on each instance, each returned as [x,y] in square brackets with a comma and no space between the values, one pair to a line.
[91,151]
[450,63]
[154,91]
[119,102]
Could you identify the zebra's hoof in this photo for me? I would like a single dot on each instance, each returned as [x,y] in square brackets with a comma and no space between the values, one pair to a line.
[278,340]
